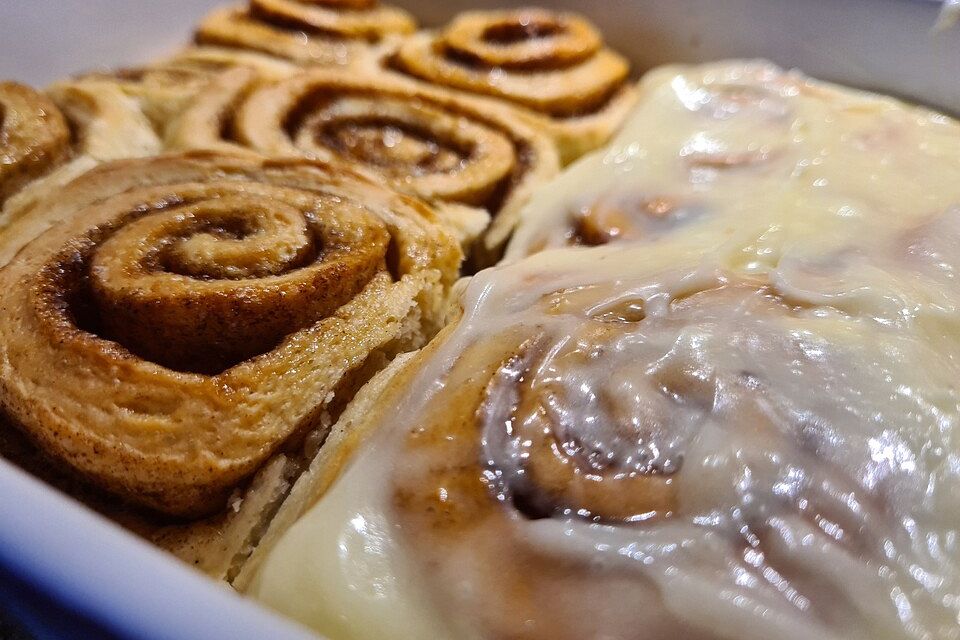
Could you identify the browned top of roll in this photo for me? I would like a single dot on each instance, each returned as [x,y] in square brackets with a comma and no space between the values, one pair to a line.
[316,32]
[169,322]
[553,63]
[34,136]
[427,142]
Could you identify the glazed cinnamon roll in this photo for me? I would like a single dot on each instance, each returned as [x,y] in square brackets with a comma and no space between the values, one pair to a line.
[48,139]
[731,420]
[552,66]
[430,143]
[815,159]
[172,324]
[310,32]
[633,443]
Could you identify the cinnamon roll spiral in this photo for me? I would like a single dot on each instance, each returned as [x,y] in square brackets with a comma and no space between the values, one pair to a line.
[553,66]
[169,323]
[310,32]
[596,425]
[34,137]
[428,143]
[47,139]
[164,88]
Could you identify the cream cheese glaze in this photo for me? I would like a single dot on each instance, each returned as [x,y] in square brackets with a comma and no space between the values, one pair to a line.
[724,150]
[742,425]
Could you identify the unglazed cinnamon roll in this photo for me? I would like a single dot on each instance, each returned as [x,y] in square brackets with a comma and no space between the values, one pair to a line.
[430,143]
[34,137]
[552,66]
[164,88]
[640,442]
[172,324]
[310,32]
[46,140]
[740,149]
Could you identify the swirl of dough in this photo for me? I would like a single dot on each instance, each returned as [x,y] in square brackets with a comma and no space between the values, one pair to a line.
[48,139]
[34,137]
[359,19]
[164,88]
[545,463]
[310,32]
[429,143]
[170,322]
[551,65]
[219,279]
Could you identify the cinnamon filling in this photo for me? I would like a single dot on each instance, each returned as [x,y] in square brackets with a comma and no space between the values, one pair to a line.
[520,30]
[200,284]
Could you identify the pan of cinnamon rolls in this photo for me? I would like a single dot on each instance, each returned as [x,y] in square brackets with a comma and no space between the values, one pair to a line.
[476,330]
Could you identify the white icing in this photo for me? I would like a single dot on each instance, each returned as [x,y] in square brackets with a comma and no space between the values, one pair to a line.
[794,375]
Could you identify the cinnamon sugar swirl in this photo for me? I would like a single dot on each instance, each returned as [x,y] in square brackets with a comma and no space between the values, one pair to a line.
[241,302]
[309,32]
[552,66]
[448,149]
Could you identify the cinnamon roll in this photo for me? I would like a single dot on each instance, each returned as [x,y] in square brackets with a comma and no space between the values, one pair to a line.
[815,160]
[47,139]
[164,88]
[310,32]
[34,137]
[172,324]
[629,442]
[731,419]
[552,66]
[430,143]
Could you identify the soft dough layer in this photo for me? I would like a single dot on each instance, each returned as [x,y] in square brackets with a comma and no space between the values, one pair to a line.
[169,324]
[472,157]
[746,429]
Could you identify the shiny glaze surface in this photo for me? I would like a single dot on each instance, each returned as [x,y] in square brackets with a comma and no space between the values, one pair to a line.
[740,423]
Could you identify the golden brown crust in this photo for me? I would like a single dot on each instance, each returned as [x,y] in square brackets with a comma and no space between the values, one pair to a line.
[34,137]
[367,20]
[168,438]
[309,33]
[163,88]
[428,142]
[91,121]
[552,66]
[218,545]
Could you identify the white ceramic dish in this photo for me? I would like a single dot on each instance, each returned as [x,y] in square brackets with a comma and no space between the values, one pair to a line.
[60,560]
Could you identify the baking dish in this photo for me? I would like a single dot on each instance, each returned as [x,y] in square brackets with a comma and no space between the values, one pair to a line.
[69,568]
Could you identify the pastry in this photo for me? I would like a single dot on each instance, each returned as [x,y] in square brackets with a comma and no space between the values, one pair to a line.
[162,89]
[709,393]
[703,136]
[34,135]
[552,66]
[732,425]
[46,140]
[310,32]
[428,142]
[629,442]
[241,301]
